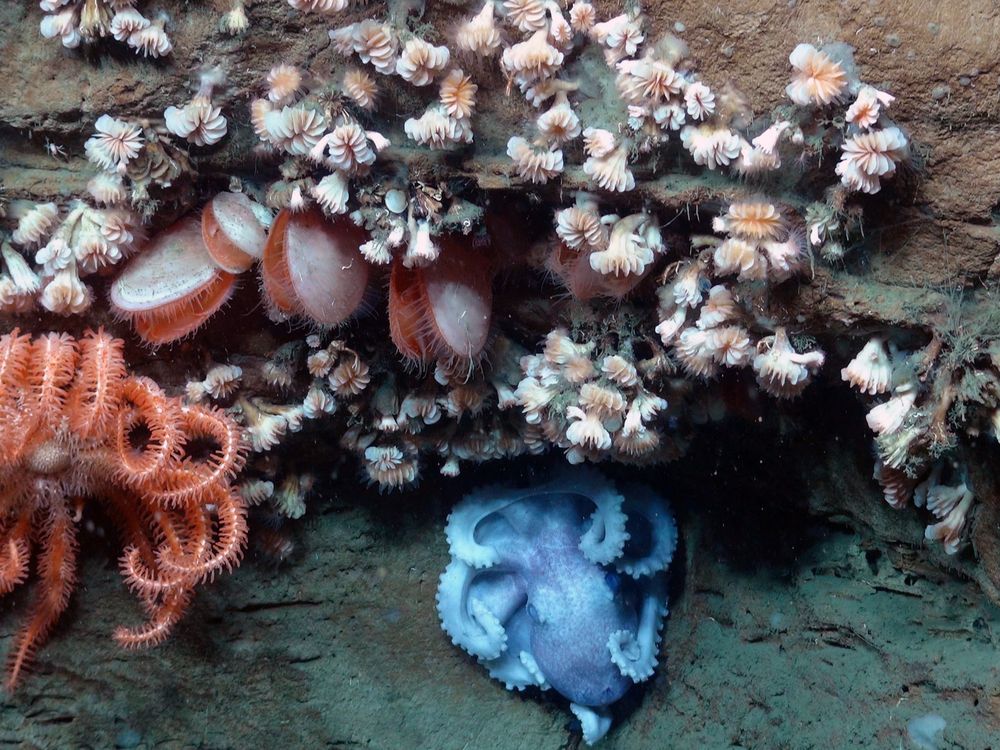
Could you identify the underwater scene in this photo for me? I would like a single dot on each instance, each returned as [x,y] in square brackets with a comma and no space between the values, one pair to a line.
[515,375]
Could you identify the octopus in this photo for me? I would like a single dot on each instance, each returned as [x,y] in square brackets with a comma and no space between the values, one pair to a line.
[561,586]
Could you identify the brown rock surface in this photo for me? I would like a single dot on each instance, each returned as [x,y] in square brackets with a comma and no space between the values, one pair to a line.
[940,65]
[342,649]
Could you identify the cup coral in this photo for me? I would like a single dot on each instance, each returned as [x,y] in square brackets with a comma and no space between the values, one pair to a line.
[817,79]
[199,121]
[479,34]
[870,371]
[88,21]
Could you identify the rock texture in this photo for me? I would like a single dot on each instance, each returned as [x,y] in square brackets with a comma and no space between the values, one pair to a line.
[772,614]
[341,647]
[935,228]
[940,65]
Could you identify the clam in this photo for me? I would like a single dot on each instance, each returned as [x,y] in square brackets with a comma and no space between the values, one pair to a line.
[443,310]
[233,232]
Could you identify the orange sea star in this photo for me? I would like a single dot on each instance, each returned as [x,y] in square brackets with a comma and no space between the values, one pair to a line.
[74,426]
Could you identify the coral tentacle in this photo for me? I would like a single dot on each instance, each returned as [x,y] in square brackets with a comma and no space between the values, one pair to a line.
[229,544]
[153,411]
[74,426]
[194,479]
[161,622]
[141,580]
[14,558]
[15,355]
[50,372]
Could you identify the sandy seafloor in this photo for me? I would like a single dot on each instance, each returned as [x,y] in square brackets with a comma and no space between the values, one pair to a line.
[793,637]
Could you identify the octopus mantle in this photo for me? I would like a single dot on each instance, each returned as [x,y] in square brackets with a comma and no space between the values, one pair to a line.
[561,586]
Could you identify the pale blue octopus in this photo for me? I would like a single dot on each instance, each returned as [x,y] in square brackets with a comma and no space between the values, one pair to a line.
[561,586]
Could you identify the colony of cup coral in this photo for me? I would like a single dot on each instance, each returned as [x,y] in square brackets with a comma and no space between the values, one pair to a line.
[597,287]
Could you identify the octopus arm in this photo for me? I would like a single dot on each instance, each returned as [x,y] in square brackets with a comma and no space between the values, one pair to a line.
[517,668]
[635,653]
[465,519]
[651,550]
[530,664]
[604,540]
[473,609]
[511,671]
[595,722]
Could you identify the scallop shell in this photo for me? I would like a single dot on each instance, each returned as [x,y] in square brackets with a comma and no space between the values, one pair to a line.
[313,268]
[232,233]
[442,310]
[173,286]
[395,201]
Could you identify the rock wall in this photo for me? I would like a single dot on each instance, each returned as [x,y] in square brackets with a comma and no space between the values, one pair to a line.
[341,647]
[939,64]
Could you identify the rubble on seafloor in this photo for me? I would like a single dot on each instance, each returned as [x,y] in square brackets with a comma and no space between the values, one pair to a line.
[342,251]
